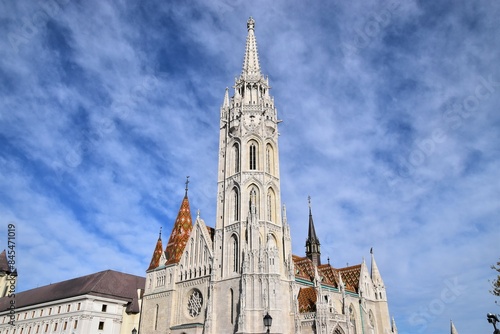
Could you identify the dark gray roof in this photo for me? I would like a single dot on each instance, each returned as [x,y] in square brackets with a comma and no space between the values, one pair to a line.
[107,283]
[4,266]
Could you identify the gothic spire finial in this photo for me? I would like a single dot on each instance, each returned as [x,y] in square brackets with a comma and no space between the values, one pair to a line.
[159,236]
[250,23]
[187,182]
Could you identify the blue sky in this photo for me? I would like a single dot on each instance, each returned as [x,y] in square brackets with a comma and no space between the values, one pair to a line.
[390,123]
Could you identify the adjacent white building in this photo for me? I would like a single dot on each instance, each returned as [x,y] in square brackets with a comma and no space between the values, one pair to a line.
[106,302]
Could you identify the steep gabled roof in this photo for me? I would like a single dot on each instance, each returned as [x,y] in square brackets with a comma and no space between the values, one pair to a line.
[304,268]
[350,276]
[307,299]
[4,265]
[107,283]
[180,233]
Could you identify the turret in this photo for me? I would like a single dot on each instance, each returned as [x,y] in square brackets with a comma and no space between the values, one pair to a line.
[312,243]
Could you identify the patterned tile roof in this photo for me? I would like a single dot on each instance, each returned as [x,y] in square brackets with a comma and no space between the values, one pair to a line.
[109,283]
[155,260]
[180,233]
[307,300]
[329,275]
[350,277]
[304,268]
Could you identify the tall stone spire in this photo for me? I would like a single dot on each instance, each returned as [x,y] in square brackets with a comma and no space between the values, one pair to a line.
[312,243]
[251,66]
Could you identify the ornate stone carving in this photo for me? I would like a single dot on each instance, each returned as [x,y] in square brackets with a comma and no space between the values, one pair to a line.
[195,302]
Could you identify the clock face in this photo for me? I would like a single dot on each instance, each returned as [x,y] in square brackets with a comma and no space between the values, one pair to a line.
[251,121]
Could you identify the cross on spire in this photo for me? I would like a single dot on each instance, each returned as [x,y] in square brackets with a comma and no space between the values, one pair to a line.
[187,182]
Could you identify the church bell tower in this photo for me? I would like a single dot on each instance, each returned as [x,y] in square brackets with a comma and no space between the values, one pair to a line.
[252,266]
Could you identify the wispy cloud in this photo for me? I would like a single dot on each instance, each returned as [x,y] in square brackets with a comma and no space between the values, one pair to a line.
[389,123]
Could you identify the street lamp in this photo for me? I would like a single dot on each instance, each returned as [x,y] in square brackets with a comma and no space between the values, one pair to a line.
[134,331]
[268,321]
[493,319]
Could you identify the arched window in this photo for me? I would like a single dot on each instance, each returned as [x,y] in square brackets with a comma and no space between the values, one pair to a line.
[253,156]
[352,318]
[236,157]
[269,159]
[254,201]
[271,205]
[236,205]
[234,253]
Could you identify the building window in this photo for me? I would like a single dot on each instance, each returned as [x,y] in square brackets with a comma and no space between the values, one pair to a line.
[156,316]
[104,307]
[37,329]
[59,310]
[232,305]
[235,253]
[236,156]
[65,325]
[50,311]
[236,205]
[32,314]
[101,325]
[78,308]
[253,157]
[69,308]
[55,326]
[46,328]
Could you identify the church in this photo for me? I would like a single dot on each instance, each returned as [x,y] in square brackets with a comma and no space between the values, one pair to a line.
[240,276]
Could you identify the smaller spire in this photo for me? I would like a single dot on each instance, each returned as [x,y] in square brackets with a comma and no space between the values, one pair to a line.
[393,326]
[453,330]
[226,99]
[155,259]
[312,243]
[375,273]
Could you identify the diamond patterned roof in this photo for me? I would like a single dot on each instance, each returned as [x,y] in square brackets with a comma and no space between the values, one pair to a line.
[307,300]
[155,260]
[180,233]
[350,276]
[304,268]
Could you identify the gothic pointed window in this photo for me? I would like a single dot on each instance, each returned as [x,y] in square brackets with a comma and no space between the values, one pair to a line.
[271,205]
[234,253]
[253,156]
[254,201]
[236,205]
[236,157]
[269,159]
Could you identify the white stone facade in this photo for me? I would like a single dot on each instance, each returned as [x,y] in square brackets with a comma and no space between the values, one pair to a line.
[230,277]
